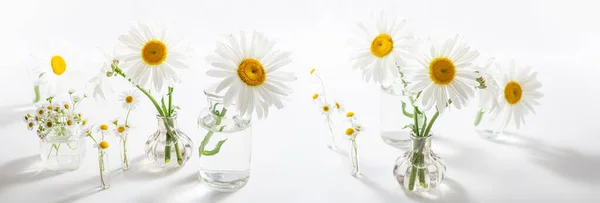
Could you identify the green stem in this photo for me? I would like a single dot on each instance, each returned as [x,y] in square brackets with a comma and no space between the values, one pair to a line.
[478,117]
[405,112]
[125,159]
[36,90]
[416,129]
[210,132]
[413,174]
[437,113]
[127,117]
[50,152]
[170,100]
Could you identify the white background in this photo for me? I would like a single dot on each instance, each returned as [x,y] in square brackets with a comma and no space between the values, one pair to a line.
[556,160]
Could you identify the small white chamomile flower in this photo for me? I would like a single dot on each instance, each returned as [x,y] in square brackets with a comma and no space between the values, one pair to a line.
[130,100]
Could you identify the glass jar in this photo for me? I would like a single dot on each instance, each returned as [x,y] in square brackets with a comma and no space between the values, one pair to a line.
[393,100]
[168,146]
[226,147]
[354,157]
[62,152]
[103,168]
[419,169]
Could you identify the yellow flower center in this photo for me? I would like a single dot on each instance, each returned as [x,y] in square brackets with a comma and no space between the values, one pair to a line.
[349,131]
[513,92]
[326,108]
[382,45]
[337,105]
[115,122]
[312,71]
[26,118]
[103,127]
[121,129]
[37,118]
[30,124]
[83,122]
[103,144]
[154,52]
[41,112]
[442,71]
[349,114]
[67,106]
[252,72]
[59,66]
[70,122]
[315,96]
[49,107]
[129,99]
[49,124]
[358,127]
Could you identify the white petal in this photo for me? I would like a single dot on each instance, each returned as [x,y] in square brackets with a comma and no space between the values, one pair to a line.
[229,97]
[274,89]
[418,86]
[219,73]
[227,82]
[223,65]
[283,76]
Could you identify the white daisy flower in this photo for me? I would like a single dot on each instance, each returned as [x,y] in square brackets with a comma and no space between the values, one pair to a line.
[66,106]
[104,80]
[518,94]
[121,130]
[76,99]
[488,88]
[250,71]
[30,124]
[130,99]
[103,129]
[339,106]
[445,75]
[351,132]
[326,109]
[57,64]
[152,55]
[41,111]
[381,48]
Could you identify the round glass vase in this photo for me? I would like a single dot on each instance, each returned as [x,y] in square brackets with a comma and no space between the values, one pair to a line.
[62,148]
[226,146]
[168,147]
[392,117]
[419,169]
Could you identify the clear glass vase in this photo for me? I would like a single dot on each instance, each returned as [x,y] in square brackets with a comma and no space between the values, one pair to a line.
[489,126]
[392,117]
[168,146]
[62,152]
[330,140]
[225,150]
[103,168]
[123,152]
[419,169]
[354,157]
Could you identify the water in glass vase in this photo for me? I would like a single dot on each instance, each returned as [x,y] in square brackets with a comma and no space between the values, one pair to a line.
[226,148]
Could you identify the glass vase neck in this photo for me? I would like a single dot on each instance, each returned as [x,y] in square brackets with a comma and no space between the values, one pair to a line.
[422,144]
[170,120]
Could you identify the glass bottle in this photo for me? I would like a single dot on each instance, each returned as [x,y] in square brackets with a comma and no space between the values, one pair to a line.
[226,147]
[62,152]
[103,167]
[168,146]
[123,152]
[392,117]
[419,170]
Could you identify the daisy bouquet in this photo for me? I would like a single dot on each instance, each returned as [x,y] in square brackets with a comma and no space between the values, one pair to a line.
[445,79]
[129,101]
[152,58]
[327,108]
[102,145]
[57,119]
[251,75]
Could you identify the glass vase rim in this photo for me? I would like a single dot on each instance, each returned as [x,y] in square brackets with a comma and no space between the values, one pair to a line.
[413,136]
[173,116]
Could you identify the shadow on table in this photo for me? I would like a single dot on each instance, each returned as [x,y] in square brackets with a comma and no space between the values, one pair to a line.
[566,162]
[448,191]
[14,113]
[143,169]
[22,170]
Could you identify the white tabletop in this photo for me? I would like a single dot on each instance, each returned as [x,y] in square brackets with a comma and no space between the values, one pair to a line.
[556,159]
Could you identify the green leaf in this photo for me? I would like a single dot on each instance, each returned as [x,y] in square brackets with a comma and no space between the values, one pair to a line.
[411,126]
[36,90]
[406,112]
[215,150]
[478,117]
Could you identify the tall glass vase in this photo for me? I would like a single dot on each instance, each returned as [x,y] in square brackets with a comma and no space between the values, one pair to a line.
[226,147]
[103,168]
[354,157]
[123,152]
[168,146]
[392,117]
[419,169]
[330,140]
[62,149]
